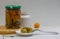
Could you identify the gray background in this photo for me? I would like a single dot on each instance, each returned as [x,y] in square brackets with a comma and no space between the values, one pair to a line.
[46,12]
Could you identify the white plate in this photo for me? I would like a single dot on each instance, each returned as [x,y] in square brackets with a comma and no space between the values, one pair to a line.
[24,34]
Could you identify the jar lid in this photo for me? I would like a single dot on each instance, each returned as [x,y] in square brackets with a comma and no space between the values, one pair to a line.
[25,15]
[12,7]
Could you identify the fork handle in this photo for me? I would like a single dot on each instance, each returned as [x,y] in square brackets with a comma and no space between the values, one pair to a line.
[45,31]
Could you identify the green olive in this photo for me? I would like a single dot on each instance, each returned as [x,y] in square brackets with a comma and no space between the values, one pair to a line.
[24,30]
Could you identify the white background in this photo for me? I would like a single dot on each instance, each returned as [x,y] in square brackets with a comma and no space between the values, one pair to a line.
[46,12]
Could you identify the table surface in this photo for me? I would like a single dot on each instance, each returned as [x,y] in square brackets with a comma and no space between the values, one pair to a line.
[41,35]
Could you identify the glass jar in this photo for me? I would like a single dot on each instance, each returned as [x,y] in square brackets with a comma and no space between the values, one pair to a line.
[13,16]
[25,19]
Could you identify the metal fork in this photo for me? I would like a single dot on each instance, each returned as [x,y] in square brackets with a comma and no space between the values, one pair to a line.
[45,31]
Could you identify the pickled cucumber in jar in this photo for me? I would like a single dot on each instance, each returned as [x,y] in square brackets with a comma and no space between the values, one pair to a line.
[13,15]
